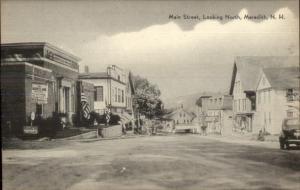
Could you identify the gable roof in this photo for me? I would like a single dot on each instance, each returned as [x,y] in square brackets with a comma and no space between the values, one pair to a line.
[169,116]
[283,78]
[249,68]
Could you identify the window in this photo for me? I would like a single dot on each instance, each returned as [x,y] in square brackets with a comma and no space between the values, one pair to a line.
[264,93]
[270,118]
[116,94]
[258,97]
[119,95]
[292,95]
[180,115]
[289,114]
[98,94]
[265,118]
[239,105]
[122,96]
[269,95]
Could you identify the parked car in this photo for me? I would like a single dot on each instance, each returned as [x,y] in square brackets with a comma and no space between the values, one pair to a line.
[290,133]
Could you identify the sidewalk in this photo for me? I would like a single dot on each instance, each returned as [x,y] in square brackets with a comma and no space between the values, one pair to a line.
[244,140]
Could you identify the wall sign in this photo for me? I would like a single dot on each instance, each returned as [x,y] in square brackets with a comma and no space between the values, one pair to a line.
[39,93]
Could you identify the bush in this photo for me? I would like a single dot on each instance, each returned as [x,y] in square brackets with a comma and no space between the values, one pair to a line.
[48,126]
[114,119]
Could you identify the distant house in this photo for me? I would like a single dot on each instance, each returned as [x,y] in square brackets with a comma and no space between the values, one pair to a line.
[181,119]
[245,77]
[277,97]
[216,113]
[112,89]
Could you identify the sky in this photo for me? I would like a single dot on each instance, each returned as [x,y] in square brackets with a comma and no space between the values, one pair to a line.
[181,56]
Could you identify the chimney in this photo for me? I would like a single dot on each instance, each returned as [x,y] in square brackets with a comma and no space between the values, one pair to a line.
[86,69]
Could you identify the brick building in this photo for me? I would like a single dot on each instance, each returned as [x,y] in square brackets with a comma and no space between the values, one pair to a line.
[37,78]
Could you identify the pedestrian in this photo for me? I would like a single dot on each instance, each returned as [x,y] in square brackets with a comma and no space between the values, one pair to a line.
[203,127]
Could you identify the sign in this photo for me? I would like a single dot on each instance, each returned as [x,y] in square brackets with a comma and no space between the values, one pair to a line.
[33,130]
[39,93]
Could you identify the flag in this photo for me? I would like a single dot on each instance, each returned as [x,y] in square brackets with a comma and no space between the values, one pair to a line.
[85,106]
[107,115]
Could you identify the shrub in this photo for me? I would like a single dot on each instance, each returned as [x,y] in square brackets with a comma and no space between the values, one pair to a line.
[114,119]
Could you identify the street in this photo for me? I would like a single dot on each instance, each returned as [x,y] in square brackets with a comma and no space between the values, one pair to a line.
[151,162]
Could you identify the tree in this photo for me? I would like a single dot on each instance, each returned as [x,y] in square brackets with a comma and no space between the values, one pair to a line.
[147,100]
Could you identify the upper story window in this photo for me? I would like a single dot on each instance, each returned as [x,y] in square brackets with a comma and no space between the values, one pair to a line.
[122,96]
[292,95]
[116,94]
[119,95]
[98,94]
[290,114]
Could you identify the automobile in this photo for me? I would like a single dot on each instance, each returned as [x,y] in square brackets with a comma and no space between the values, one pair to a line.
[290,133]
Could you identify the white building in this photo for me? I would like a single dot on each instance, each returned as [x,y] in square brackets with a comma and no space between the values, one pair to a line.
[277,97]
[113,89]
[245,77]
[182,120]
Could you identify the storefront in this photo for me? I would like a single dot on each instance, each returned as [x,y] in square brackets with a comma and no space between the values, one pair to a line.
[39,79]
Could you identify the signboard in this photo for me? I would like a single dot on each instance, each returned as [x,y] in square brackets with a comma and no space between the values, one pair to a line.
[33,130]
[32,116]
[39,93]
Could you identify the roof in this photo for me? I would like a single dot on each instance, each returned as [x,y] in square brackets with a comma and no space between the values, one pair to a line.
[283,78]
[169,116]
[96,75]
[249,68]
[26,45]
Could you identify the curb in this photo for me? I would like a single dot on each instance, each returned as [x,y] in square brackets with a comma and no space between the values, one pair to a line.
[103,139]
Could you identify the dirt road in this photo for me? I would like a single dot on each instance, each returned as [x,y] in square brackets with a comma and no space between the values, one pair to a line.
[156,162]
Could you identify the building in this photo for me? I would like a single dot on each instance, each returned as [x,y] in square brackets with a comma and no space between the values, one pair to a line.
[37,79]
[181,120]
[277,97]
[215,112]
[245,77]
[112,89]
